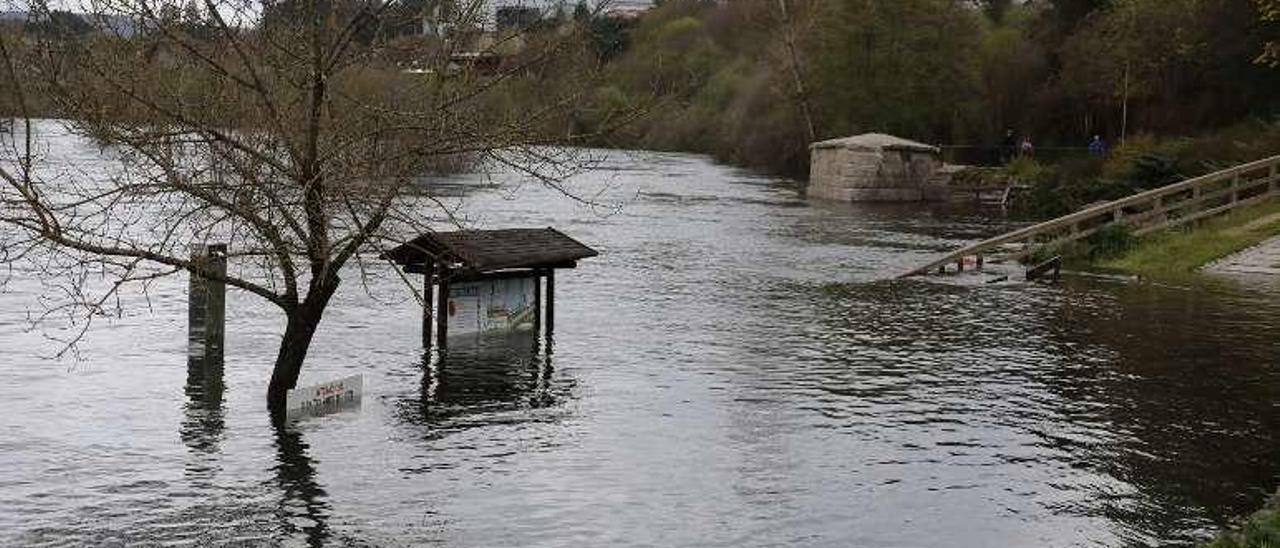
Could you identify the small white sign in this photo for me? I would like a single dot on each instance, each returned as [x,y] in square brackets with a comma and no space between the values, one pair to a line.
[324,398]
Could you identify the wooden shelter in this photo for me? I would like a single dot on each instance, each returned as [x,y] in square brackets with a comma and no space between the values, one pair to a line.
[471,256]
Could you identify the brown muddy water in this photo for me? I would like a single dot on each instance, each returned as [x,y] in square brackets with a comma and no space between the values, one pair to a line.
[735,369]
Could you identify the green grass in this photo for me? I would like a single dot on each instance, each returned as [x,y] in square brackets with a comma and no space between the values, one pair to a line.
[1185,249]
[1261,530]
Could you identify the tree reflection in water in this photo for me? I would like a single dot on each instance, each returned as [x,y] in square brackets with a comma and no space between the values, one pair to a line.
[304,508]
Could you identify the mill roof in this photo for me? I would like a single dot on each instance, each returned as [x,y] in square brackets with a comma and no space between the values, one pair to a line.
[875,141]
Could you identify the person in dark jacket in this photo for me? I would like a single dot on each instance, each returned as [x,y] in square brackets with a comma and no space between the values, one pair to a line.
[1008,147]
[1097,147]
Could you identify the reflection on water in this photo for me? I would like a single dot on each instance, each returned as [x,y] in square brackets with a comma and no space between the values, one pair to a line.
[203,416]
[203,419]
[1187,401]
[304,508]
[733,370]
[483,376]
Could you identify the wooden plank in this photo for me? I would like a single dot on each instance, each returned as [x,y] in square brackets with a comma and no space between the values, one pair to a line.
[1038,271]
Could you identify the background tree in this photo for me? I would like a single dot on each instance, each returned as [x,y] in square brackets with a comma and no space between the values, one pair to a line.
[1269,12]
[904,67]
[294,139]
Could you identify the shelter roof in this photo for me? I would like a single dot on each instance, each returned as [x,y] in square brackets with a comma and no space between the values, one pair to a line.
[492,250]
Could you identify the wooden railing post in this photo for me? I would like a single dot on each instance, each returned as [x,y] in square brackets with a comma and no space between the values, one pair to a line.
[1235,189]
[1271,174]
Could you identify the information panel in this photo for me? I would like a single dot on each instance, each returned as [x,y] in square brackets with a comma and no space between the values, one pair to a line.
[491,306]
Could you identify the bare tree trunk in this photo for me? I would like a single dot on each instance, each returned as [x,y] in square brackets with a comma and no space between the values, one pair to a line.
[802,90]
[298,332]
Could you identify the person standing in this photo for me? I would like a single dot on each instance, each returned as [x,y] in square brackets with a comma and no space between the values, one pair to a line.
[1008,147]
[1025,148]
[1097,147]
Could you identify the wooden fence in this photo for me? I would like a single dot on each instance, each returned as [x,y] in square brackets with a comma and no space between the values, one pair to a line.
[1145,212]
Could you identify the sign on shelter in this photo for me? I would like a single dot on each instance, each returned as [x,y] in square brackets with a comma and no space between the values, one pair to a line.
[491,306]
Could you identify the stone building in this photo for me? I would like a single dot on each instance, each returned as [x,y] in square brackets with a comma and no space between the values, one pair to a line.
[874,167]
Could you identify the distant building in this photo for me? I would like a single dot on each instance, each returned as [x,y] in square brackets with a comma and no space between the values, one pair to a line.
[874,167]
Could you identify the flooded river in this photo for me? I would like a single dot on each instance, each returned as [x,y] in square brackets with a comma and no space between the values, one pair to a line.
[735,369]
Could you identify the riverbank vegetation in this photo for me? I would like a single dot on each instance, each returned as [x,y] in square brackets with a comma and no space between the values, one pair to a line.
[1186,249]
[755,82]
[1143,162]
[1260,530]
[1174,251]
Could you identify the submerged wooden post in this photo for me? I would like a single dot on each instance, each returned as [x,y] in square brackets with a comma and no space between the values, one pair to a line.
[442,309]
[427,302]
[207,304]
[551,301]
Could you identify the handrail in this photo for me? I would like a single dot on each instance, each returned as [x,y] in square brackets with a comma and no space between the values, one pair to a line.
[1116,208]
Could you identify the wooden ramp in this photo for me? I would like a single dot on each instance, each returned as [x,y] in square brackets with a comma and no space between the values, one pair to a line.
[1145,212]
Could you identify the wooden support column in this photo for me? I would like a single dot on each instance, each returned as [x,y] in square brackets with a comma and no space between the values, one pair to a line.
[551,301]
[207,305]
[537,301]
[442,309]
[428,301]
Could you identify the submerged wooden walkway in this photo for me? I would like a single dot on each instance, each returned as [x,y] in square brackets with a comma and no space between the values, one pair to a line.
[1145,212]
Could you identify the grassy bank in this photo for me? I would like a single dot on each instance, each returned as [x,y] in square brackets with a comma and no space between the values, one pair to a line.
[1185,249]
[1260,530]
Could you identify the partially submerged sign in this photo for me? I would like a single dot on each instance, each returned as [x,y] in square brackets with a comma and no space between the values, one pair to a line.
[324,398]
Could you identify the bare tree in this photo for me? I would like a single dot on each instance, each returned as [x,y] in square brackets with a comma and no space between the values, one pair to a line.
[302,132]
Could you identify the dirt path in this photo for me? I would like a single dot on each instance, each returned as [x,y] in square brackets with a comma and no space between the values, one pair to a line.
[1263,258]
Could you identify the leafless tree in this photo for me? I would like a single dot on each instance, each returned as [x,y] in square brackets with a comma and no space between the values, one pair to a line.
[304,133]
